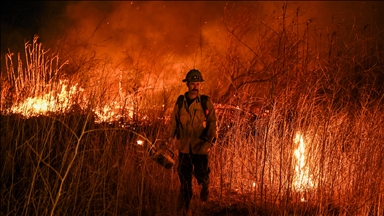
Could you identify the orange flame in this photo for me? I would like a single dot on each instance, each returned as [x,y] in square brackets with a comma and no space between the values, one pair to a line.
[62,101]
[50,102]
[301,180]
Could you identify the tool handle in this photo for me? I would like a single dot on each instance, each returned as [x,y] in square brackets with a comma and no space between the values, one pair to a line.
[172,153]
[153,147]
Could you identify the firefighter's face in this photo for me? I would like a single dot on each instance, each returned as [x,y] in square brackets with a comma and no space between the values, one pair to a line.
[193,89]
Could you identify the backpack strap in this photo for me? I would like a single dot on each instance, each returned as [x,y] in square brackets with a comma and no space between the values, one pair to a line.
[180,101]
[204,99]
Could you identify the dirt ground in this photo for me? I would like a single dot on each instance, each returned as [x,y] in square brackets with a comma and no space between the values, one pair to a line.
[230,203]
[220,204]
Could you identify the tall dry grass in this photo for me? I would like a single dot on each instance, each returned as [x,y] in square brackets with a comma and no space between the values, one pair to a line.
[67,164]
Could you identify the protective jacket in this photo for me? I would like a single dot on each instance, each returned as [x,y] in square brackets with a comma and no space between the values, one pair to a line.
[188,125]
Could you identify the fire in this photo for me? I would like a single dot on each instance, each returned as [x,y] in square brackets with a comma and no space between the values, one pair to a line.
[301,180]
[62,100]
[111,113]
[38,88]
[50,102]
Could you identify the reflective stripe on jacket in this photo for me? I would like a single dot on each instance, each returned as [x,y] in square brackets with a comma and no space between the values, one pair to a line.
[190,122]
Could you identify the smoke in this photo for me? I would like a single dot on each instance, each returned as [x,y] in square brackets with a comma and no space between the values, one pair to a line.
[115,28]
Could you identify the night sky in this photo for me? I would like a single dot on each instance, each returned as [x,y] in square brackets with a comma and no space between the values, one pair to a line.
[20,20]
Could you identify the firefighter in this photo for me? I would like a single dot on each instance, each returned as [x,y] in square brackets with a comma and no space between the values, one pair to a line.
[193,124]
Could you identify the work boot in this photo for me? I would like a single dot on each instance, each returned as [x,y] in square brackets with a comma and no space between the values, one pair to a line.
[204,192]
[189,212]
[186,212]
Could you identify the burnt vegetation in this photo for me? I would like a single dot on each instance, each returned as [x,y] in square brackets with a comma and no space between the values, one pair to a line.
[272,84]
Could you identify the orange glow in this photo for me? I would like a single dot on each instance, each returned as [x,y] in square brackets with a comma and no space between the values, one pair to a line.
[301,180]
[50,102]
[61,102]
[109,113]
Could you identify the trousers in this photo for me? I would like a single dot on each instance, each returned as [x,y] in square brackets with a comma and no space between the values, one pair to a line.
[191,165]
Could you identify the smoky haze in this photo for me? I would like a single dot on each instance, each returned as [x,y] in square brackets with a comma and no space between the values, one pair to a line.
[152,25]
[181,28]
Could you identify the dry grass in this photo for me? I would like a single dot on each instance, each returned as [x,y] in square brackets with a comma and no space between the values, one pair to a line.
[70,165]
[67,164]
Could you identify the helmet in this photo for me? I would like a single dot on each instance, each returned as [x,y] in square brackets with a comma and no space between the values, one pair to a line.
[193,76]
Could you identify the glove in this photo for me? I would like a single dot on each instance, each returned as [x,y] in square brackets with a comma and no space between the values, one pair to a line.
[205,148]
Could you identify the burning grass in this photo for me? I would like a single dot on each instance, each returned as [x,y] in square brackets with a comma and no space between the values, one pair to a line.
[314,147]
[71,165]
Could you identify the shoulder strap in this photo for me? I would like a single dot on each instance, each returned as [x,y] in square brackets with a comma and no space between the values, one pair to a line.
[179,103]
[180,100]
[204,99]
